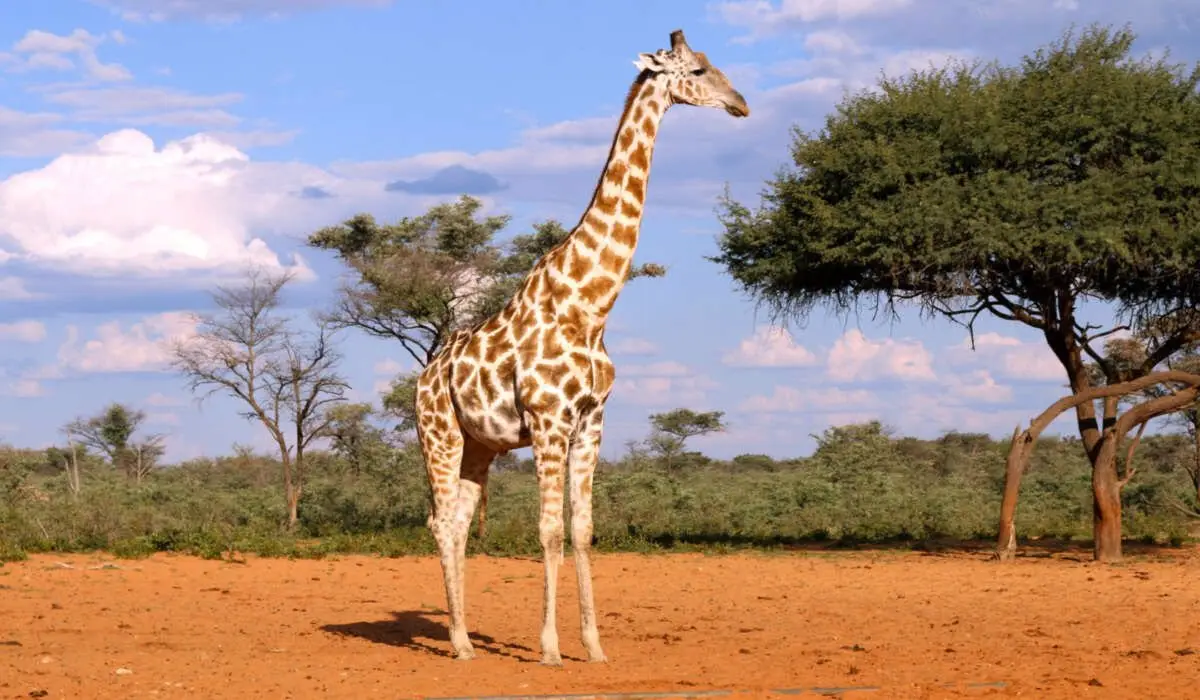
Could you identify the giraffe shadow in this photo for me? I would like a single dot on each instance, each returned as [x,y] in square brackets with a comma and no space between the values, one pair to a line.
[416,629]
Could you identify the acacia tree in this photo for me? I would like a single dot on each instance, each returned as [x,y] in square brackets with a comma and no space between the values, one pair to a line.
[111,432]
[286,378]
[1019,192]
[672,429]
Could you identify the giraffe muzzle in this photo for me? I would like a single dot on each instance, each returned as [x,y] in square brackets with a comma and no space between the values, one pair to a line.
[738,107]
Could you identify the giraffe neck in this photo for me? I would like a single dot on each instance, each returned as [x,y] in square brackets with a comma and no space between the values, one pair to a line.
[595,259]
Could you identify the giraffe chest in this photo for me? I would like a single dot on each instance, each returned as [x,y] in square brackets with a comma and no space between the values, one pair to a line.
[569,370]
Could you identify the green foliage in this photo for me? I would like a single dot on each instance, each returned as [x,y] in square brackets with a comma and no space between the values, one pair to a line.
[671,430]
[861,485]
[400,401]
[111,432]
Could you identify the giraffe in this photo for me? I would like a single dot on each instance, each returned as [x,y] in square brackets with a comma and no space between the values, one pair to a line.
[536,373]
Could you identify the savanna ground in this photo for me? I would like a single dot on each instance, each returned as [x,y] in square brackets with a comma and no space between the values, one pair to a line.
[748,575]
[911,624]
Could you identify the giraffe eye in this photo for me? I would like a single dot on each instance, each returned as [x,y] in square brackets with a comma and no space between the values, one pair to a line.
[699,71]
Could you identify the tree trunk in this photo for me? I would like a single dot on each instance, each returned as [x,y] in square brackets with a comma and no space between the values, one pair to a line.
[293,501]
[291,490]
[1014,468]
[1106,486]
[73,471]
[1196,461]
[1106,502]
[295,487]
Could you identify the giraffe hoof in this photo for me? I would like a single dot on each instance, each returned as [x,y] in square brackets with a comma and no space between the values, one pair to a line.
[552,660]
[598,659]
[465,654]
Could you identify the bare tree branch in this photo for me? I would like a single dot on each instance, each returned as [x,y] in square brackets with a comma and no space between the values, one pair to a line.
[249,351]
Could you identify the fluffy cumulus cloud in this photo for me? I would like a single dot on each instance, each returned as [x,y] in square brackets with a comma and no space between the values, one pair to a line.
[978,386]
[222,10]
[28,331]
[661,384]
[855,358]
[188,206]
[770,346]
[143,346]
[969,392]
[1009,357]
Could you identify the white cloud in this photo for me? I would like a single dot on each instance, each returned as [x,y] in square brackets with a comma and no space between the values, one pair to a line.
[23,331]
[162,400]
[763,18]
[1009,357]
[41,50]
[22,388]
[661,384]
[633,346]
[833,41]
[143,105]
[222,10]
[257,138]
[187,206]
[13,288]
[786,399]
[978,386]
[33,134]
[854,358]
[144,347]
[770,346]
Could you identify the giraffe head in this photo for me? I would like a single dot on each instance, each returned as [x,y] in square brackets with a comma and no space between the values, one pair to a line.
[690,79]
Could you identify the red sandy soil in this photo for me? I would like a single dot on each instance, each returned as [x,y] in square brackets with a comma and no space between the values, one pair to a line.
[913,625]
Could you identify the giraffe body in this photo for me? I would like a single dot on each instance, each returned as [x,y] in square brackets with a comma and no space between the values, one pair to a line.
[537,373]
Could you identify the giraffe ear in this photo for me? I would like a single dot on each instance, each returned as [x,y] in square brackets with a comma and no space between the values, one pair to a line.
[648,61]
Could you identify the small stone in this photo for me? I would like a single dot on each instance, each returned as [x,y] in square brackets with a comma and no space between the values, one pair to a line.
[47,659]
[124,672]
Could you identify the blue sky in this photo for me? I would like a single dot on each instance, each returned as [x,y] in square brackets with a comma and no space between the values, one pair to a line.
[150,147]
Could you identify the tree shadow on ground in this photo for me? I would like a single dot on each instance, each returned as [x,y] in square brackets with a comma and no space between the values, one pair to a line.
[415,629]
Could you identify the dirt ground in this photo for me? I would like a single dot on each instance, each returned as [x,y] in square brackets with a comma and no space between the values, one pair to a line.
[906,624]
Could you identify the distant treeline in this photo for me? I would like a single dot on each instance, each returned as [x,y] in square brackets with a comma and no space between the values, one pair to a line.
[861,485]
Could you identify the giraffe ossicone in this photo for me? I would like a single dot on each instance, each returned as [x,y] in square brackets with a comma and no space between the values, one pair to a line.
[537,374]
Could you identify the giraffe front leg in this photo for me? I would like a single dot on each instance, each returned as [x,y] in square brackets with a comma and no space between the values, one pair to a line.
[443,451]
[551,439]
[584,454]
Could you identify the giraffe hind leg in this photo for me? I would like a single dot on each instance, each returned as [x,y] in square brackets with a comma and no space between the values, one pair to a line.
[476,459]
